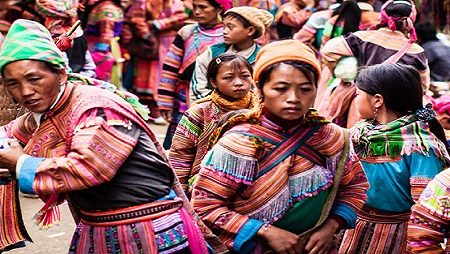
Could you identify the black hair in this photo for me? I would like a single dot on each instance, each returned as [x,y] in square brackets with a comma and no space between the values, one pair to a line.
[215,4]
[350,13]
[393,81]
[244,21]
[309,72]
[216,62]
[426,32]
[398,10]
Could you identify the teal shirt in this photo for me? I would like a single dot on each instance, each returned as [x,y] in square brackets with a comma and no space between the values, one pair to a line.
[390,187]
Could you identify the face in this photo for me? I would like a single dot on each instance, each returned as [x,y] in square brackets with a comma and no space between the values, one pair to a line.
[233,80]
[288,94]
[364,103]
[32,84]
[234,31]
[205,13]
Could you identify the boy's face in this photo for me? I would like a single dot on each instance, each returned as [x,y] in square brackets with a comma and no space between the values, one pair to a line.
[234,31]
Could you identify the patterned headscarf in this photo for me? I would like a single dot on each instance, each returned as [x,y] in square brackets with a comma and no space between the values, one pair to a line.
[58,12]
[29,40]
[390,21]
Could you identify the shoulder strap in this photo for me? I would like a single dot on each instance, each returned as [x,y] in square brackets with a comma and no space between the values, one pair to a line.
[333,192]
[286,148]
[395,57]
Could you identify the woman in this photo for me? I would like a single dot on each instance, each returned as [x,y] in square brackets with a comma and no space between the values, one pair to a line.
[104,21]
[94,148]
[401,146]
[160,19]
[285,170]
[179,63]
[393,41]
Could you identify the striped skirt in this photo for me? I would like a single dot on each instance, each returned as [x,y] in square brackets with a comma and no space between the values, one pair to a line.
[375,232]
[139,229]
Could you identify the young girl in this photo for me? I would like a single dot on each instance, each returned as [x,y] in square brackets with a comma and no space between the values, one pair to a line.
[401,148]
[231,77]
[285,170]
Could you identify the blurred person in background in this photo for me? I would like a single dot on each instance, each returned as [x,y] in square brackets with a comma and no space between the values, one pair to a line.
[437,52]
[179,64]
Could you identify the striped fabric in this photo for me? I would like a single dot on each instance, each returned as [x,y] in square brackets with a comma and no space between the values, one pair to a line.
[375,232]
[430,218]
[163,235]
[179,63]
[191,137]
[399,159]
[12,229]
[234,203]
[104,23]
[147,16]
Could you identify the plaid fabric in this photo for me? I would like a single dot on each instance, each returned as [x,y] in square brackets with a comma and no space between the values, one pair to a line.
[29,40]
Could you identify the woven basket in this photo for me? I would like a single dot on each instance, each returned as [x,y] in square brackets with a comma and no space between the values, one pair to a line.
[8,109]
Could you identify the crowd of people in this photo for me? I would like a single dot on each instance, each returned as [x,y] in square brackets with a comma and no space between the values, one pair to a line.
[299,126]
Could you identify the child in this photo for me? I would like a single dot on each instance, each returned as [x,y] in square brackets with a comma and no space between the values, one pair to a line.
[401,147]
[242,25]
[231,77]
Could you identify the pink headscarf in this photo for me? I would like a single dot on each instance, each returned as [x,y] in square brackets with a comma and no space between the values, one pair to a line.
[390,21]
[226,4]
[442,104]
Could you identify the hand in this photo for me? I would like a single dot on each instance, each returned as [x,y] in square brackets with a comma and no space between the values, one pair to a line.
[10,156]
[280,240]
[166,114]
[322,241]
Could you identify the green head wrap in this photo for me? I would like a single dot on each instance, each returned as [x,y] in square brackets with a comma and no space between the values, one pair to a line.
[29,40]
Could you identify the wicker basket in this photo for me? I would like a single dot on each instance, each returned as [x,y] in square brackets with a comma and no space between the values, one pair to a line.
[8,109]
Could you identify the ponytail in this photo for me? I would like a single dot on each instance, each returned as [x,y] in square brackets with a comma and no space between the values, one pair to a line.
[438,131]
[350,13]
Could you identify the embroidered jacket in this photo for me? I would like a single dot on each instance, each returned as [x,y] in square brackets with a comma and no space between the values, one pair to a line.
[235,197]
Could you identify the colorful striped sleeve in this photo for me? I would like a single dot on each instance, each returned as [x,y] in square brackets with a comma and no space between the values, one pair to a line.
[430,218]
[228,167]
[184,146]
[351,194]
[97,151]
[169,75]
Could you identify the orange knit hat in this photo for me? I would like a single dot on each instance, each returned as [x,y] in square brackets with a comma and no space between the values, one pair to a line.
[284,50]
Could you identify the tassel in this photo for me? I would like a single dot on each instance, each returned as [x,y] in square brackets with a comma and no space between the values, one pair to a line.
[49,215]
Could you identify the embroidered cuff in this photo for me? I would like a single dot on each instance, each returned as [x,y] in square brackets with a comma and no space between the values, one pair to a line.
[345,212]
[27,173]
[243,242]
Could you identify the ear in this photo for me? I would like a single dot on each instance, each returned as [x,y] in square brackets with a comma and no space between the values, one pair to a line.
[213,83]
[251,31]
[378,100]
[63,75]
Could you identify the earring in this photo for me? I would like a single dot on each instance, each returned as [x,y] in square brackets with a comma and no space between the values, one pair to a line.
[375,113]
[219,17]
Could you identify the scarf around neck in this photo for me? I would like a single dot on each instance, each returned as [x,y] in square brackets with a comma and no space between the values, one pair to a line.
[403,136]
